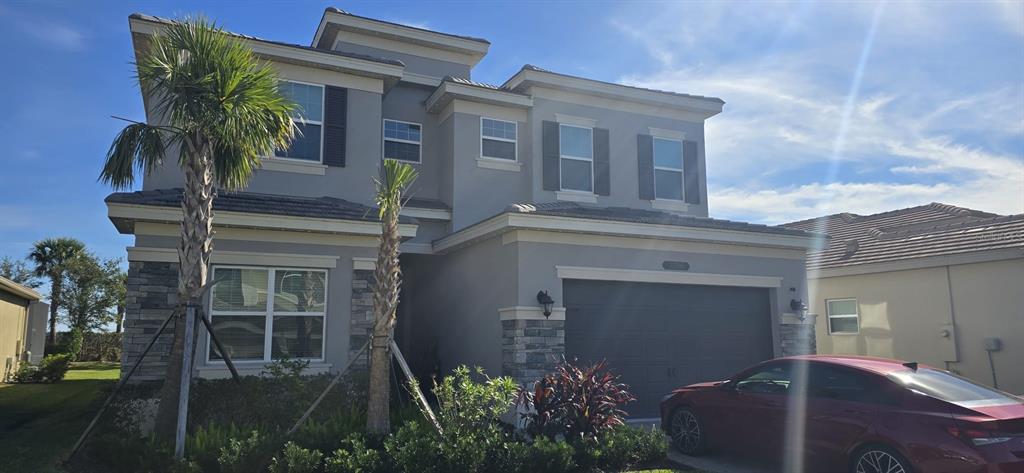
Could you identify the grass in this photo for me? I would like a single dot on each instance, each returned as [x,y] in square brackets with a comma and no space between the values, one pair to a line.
[39,423]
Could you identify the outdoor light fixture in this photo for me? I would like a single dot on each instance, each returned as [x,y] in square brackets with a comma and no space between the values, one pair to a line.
[546,301]
[799,307]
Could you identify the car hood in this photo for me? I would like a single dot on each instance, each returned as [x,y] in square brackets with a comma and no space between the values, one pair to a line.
[699,386]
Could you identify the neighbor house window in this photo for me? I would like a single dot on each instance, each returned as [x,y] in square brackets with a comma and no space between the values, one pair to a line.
[497,139]
[264,314]
[668,169]
[402,141]
[842,316]
[576,148]
[308,116]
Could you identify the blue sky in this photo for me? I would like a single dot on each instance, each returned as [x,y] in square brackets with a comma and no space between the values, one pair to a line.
[830,106]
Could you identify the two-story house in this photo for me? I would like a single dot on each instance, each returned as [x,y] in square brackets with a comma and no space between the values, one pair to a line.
[591,192]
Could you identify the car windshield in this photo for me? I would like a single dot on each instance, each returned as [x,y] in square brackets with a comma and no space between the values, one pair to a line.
[951,388]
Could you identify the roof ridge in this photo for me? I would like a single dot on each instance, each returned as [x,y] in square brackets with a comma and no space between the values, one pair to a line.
[948,226]
[334,9]
[851,217]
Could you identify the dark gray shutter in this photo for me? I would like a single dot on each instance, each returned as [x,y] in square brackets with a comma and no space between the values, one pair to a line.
[691,176]
[335,115]
[602,163]
[645,164]
[550,152]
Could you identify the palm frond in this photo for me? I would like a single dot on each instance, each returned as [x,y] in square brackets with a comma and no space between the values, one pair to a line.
[139,147]
[395,178]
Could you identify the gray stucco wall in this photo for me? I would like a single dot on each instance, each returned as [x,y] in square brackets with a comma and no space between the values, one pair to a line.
[405,103]
[416,64]
[623,130]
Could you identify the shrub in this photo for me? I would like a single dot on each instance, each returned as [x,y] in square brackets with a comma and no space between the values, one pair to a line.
[355,457]
[72,344]
[575,402]
[247,455]
[542,455]
[50,370]
[295,459]
[413,449]
[621,448]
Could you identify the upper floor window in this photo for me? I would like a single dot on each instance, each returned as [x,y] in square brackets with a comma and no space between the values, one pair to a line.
[842,316]
[668,169]
[576,150]
[402,141]
[498,139]
[308,116]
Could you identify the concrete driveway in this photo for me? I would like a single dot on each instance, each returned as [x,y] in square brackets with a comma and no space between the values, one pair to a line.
[716,463]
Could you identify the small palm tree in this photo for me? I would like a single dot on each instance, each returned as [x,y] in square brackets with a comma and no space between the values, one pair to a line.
[222,112]
[387,283]
[51,258]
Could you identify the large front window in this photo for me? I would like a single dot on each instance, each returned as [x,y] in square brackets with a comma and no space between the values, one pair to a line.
[576,149]
[263,314]
[308,117]
[402,141]
[668,169]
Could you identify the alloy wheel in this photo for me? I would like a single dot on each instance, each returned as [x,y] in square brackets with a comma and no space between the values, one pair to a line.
[879,461]
[686,432]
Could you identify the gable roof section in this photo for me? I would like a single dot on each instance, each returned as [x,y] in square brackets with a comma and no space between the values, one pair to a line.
[926,231]
[458,88]
[24,292]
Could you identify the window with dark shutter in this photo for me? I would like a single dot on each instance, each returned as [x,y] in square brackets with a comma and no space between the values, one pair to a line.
[550,152]
[335,116]
[602,163]
[645,165]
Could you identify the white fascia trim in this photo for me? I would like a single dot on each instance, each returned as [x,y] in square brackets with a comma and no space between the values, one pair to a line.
[529,312]
[289,53]
[499,164]
[417,248]
[585,122]
[170,255]
[918,263]
[670,205]
[270,236]
[576,196]
[649,244]
[666,134]
[291,165]
[669,277]
[252,220]
[705,106]
[421,79]
[449,91]
[427,214]
[19,290]
[413,35]
[511,221]
[364,264]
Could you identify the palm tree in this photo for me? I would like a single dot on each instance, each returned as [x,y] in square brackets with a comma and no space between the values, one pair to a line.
[222,112]
[51,258]
[387,283]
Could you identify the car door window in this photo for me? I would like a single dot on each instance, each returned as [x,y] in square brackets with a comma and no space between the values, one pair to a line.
[772,379]
[843,384]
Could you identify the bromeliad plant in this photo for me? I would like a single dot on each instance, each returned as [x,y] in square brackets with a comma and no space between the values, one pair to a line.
[575,402]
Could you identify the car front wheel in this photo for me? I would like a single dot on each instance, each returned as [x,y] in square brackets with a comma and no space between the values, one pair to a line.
[879,459]
[687,432]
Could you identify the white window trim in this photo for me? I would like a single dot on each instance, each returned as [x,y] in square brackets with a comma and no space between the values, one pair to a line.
[268,314]
[682,175]
[515,142]
[323,113]
[562,156]
[384,139]
[855,315]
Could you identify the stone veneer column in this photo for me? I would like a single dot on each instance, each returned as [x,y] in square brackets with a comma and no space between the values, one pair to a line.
[152,293]
[531,344]
[797,337]
[361,317]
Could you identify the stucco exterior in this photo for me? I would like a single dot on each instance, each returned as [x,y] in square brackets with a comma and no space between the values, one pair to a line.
[22,326]
[906,314]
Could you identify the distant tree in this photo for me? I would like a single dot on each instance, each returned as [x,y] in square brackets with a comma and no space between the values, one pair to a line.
[89,295]
[19,271]
[117,287]
[51,257]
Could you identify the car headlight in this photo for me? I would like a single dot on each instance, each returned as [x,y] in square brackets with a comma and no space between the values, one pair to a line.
[667,397]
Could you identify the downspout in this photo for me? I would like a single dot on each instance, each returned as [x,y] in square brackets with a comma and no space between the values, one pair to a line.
[952,319]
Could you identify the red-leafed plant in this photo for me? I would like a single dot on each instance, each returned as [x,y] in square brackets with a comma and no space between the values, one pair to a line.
[575,402]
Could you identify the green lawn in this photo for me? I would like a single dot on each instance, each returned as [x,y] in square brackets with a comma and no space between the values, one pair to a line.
[40,422]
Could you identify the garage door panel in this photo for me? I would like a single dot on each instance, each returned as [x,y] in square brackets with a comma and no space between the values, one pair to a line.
[662,336]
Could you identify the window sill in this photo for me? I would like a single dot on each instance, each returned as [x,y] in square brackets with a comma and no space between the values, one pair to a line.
[673,205]
[217,370]
[289,165]
[576,196]
[499,164]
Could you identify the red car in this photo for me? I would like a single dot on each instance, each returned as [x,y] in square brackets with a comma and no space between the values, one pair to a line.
[856,414]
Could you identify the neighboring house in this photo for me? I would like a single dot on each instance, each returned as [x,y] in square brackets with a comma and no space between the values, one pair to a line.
[936,284]
[22,326]
[590,191]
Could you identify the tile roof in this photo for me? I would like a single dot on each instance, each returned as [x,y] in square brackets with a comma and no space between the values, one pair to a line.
[928,230]
[623,214]
[365,57]
[251,202]
[460,80]
[343,12]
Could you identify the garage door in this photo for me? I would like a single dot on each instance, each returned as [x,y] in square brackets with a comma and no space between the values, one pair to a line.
[662,336]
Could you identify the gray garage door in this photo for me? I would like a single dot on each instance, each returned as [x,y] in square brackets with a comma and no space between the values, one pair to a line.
[661,336]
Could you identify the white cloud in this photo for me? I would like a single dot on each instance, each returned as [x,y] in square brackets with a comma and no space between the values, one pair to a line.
[54,34]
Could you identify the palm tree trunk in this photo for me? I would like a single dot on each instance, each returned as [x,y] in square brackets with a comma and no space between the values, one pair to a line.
[194,258]
[387,285]
[55,289]
[120,318]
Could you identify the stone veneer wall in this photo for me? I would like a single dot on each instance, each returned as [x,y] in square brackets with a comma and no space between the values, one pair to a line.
[530,348]
[152,293]
[797,337]
[361,322]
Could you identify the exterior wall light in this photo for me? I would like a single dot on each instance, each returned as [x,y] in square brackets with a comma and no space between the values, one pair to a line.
[799,307]
[546,301]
